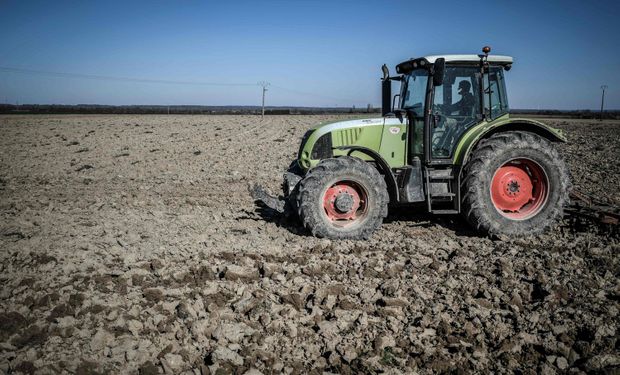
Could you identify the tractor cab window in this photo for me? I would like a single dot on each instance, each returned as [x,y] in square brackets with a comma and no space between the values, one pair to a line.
[495,92]
[413,96]
[414,91]
[456,107]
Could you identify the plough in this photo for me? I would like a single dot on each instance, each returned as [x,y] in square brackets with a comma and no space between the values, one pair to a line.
[587,207]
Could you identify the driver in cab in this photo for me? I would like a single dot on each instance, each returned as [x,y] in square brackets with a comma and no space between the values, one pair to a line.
[446,135]
[465,106]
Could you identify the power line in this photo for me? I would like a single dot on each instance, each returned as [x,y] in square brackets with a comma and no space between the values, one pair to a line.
[120,79]
[318,95]
[263,84]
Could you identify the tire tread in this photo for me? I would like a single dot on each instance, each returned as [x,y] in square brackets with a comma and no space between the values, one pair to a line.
[476,210]
[313,183]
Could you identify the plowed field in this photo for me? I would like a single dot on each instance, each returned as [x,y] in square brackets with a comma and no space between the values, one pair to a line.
[130,244]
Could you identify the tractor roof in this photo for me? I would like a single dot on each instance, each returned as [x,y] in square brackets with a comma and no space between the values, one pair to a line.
[499,59]
[407,66]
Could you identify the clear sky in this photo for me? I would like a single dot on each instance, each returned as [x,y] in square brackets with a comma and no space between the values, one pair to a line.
[314,53]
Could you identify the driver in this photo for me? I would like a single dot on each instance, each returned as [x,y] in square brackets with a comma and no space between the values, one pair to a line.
[466,104]
[464,108]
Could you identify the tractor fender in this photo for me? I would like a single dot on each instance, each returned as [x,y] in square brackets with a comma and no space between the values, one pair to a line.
[470,139]
[382,166]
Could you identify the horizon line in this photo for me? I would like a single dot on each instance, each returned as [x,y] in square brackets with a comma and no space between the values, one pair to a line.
[373,106]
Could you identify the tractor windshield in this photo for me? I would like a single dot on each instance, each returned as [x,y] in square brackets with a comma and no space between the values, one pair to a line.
[414,91]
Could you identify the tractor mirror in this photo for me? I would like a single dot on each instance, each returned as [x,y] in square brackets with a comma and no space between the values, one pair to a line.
[438,69]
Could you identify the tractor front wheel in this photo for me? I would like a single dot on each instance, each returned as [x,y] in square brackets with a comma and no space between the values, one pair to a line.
[514,184]
[343,198]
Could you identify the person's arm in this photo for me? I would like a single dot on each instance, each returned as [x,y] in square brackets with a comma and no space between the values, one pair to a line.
[449,108]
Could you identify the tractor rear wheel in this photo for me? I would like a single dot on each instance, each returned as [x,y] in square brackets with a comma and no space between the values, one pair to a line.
[343,198]
[514,184]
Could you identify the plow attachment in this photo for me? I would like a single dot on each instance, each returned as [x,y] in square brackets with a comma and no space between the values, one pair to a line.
[591,209]
[281,204]
[277,204]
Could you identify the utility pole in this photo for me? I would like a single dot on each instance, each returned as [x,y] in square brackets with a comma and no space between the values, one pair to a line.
[264,85]
[603,87]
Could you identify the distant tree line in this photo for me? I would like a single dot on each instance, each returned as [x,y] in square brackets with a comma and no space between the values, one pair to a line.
[576,114]
[252,110]
[174,109]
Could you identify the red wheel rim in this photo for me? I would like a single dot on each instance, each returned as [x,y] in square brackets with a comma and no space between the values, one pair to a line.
[519,189]
[345,203]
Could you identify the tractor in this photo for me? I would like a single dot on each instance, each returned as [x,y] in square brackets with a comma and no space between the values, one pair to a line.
[446,144]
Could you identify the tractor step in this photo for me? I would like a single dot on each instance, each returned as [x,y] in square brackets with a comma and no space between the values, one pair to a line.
[445,212]
[440,178]
[440,174]
[442,191]
[442,195]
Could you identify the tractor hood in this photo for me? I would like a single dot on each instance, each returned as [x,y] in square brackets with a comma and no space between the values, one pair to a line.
[333,125]
[319,142]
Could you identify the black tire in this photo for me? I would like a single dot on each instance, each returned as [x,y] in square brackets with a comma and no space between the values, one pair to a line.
[314,186]
[492,153]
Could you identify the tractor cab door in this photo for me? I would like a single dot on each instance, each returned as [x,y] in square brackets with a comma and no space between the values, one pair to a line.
[414,92]
[455,107]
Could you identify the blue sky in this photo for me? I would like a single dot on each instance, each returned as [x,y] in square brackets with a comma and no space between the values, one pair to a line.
[314,53]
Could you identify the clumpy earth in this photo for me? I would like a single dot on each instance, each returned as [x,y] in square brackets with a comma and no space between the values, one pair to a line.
[129,244]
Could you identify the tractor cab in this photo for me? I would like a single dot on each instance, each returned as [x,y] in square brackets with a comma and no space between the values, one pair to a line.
[444,96]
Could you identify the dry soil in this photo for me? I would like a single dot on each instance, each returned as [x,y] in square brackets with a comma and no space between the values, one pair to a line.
[129,244]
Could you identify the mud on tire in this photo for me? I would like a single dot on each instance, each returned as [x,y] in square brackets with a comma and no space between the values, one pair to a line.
[480,185]
[351,173]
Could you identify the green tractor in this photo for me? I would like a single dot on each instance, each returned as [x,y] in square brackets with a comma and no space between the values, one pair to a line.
[446,144]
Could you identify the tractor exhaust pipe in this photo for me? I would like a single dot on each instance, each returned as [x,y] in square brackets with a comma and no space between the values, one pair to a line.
[386,91]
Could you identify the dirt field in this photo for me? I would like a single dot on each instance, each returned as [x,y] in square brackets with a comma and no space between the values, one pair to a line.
[130,244]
